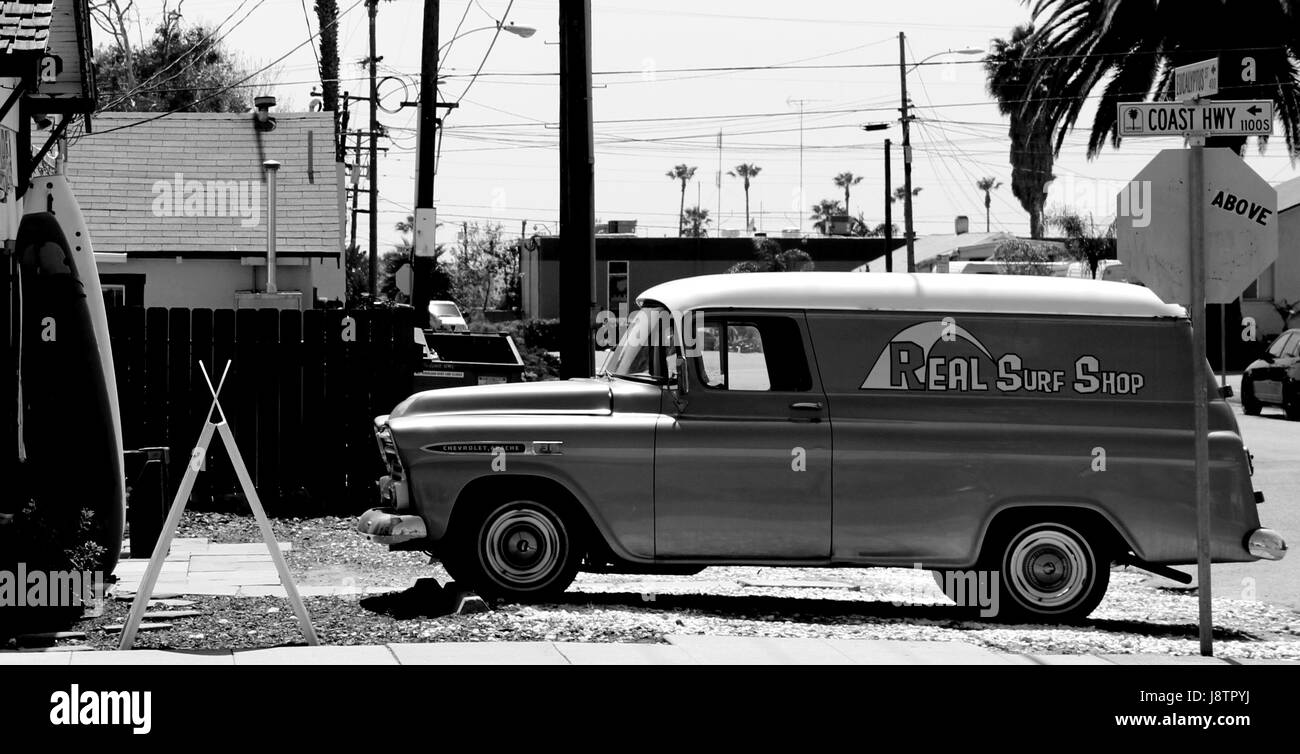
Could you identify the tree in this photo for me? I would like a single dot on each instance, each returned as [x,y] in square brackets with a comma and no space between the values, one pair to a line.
[988,185]
[327,16]
[900,193]
[770,257]
[694,219]
[181,69]
[1084,240]
[1020,257]
[1134,45]
[684,174]
[1010,69]
[746,171]
[879,231]
[845,181]
[481,267]
[823,211]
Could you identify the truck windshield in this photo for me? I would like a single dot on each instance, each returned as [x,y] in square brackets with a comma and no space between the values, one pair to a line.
[645,348]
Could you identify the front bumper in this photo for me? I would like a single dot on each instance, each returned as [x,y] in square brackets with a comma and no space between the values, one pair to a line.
[1266,544]
[388,527]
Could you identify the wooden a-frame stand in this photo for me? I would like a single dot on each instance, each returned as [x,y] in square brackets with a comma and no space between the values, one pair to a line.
[161,549]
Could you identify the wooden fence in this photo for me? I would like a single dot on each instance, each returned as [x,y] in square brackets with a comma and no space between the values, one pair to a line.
[301,397]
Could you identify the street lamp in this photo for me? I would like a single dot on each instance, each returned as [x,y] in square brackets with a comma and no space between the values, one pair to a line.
[908,231]
[889,210]
[426,149]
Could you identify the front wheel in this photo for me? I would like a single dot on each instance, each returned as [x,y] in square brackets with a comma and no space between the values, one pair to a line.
[519,550]
[1291,402]
[1051,572]
[1249,403]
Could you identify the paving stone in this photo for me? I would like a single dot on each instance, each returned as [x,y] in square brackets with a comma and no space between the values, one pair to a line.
[881,652]
[624,654]
[262,590]
[117,627]
[233,564]
[320,655]
[61,657]
[479,653]
[173,614]
[1153,659]
[744,650]
[1067,660]
[154,657]
[171,602]
[242,548]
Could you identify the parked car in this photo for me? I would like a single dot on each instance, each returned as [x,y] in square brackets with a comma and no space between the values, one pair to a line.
[1028,430]
[1274,378]
[445,315]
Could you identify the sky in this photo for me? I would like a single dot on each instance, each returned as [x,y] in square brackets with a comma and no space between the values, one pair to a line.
[823,76]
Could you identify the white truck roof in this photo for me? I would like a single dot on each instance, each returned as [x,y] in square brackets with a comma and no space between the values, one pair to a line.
[910,292]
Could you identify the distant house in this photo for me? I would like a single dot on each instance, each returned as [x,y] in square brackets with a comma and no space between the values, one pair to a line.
[1280,283]
[627,265]
[177,207]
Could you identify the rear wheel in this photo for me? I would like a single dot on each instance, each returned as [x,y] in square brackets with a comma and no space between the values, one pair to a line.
[1249,403]
[518,549]
[1050,572]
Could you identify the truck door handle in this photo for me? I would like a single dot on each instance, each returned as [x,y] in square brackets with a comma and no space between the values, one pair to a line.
[806,406]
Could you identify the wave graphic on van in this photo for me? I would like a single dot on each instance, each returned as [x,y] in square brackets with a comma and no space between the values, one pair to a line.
[908,351]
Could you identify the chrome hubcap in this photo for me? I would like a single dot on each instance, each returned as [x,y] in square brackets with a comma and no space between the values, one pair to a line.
[523,546]
[1049,568]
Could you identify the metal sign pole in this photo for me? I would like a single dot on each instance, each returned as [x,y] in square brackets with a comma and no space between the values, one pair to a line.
[1200,399]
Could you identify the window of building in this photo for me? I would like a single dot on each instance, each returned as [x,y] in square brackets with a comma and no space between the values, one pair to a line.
[617,285]
[114,296]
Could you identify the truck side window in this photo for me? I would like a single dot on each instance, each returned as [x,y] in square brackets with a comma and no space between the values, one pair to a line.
[752,355]
[1281,343]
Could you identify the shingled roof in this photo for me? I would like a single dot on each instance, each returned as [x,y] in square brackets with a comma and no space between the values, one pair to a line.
[25,26]
[119,178]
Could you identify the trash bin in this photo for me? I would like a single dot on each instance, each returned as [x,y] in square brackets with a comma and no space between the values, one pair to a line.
[146,497]
[456,359]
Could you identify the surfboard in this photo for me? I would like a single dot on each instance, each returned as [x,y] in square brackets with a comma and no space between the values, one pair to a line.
[70,429]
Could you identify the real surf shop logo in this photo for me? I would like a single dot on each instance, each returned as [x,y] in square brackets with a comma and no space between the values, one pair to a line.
[942,356]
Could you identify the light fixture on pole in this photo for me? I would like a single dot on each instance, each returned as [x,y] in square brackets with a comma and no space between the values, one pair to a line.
[908,231]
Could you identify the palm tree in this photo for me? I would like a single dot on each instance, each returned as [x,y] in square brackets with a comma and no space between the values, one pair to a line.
[746,171]
[1010,70]
[682,173]
[1134,45]
[844,181]
[694,219]
[823,211]
[900,193]
[988,185]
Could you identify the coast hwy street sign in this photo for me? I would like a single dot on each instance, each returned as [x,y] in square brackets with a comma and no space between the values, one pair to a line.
[1212,118]
[1196,80]
[1152,226]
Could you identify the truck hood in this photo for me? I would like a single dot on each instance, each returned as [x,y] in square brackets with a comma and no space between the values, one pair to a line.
[581,396]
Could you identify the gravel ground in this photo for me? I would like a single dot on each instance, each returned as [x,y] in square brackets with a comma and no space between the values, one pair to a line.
[1136,616]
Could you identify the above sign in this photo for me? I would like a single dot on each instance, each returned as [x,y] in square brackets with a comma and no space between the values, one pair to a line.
[1221,118]
[1152,225]
[1196,80]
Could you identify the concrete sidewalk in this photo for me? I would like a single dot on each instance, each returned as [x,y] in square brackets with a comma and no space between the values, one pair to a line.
[680,650]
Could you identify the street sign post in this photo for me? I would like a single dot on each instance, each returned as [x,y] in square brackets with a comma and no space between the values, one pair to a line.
[1196,80]
[1206,215]
[1211,118]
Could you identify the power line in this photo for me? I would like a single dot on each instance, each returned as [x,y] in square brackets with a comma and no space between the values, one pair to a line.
[496,35]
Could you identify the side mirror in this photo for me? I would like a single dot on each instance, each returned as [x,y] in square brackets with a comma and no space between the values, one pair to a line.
[683,384]
[1225,391]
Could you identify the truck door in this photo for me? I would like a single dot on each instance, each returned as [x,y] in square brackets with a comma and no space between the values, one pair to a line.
[743,466]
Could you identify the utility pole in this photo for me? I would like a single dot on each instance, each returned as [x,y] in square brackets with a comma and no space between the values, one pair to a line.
[889,215]
[426,158]
[720,181]
[907,156]
[356,187]
[374,155]
[577,197]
